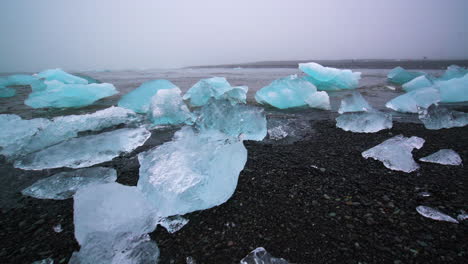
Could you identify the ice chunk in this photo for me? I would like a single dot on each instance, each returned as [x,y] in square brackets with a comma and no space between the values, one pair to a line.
[248,122]
[400,76]
[85,151]
[410,102]
[364,122]
[395,153]
[327,78]
[192,172]
[288,92]
[168,108]
[44,261]
[277,132]
[112,208]
[173,223]
[7,92]
[217,87]
[139,100]
[237,95]
[417,83]
[438,117]
[453,71]
[190,260]
[61,76]
[63,185]
[434,214]
[290,129]
[444,157]
[58,95]
[319,100]
[23,79]
[354,103]
[58,228]
[261,256]
[462,217]
[453,90]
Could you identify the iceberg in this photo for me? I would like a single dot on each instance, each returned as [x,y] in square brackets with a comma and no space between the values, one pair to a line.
[173,223]
[417,83]
[438,117]
[329,79]
[400,76]
[216,87]
[434,214]
[244,121]
[61,76]
[139,100]
[168,108]
[63,185]
[452,72]
[395,153]
[261,256]
[85,151]
[410,102]
[319,100]
[354,103]
[364,122]
[444,157]
[191,172]
[453,90]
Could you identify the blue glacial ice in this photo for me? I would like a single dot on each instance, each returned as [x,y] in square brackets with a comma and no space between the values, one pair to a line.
[453,71]
[453,90]
[328,79]
[412,101]
[61,76]
[354,103]
[22,80]
[85,151]
[395,153]
[194,171]
[237,95]
[364,122]
[60,95]
[7,92]
[63,185]
[418,83]
[243,121]
[438,117]
[216,87]
[261,256]
[444,157]
[168,108]
[400,76]
[319,100]
[139,100]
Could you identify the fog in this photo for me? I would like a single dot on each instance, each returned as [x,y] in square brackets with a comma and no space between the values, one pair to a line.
[110,34]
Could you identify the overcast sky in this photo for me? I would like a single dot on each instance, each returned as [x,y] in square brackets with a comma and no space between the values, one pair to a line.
[113,34]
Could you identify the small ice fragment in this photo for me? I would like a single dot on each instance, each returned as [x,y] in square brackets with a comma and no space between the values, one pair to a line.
[417,83]
[168,108]
[63,185]
[319,100]
[327,78]
[438,117]
[7,92]
[395,153]
[424,194]
[44,261]
[58,228]
[410,102]
[364,122]
[462,217]
[277,133]
[190,260]
[173,223]
[216,87]
[354,103]
[444,157]
[261,256]
[390,87]
[61,76]
[434,214]
[400,76]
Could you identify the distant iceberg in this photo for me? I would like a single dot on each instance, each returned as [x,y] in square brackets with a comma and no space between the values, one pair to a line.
[400,76]
[328,79]
[61,76]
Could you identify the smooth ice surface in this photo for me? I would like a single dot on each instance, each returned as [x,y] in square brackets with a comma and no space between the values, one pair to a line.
[261,256]
[60,95]
[85,151]
[354,103]
[400,76]
[168,108]
[112,208]
[417,83]
[61,76]
[364,122]
[438,117]
[319,100]
[453,90]
[173,223]
[395,153]
[64,184]
[244,121]
[7,92]
[139,100]
[216,87]
[328,79]
[288,92]
[410,102]
[444,157]
[191,172]
[453,71]
[434,214]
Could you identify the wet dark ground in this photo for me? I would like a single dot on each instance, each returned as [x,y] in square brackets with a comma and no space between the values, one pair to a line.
[314,201]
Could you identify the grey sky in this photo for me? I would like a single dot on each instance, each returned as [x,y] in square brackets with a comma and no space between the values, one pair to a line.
[113,34]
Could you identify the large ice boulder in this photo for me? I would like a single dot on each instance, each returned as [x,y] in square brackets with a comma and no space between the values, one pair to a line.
[453,90]
[395,153]
[364,122]
[168,108]
[139,100]
[400,76]
[216,87]
[412,101]
[452,72]
[61,76]
[327,78]
[194,171]
[417,83]
[354,103]
[438,117]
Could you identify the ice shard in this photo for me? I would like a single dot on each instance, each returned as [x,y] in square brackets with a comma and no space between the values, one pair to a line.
[453,90]
[354,103]
[395,153]
[192,172]
[173,223]
[364,122]
[452,72]
[319,100]
[400,76]
[434,214]
[85,151]
[328,79]
[417,83]
[261,256]
[444,157]
[245,121]
[438,117]
[216,87]
[61,76]
[168,108]
[63,185]
[139,100]
[410,102]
